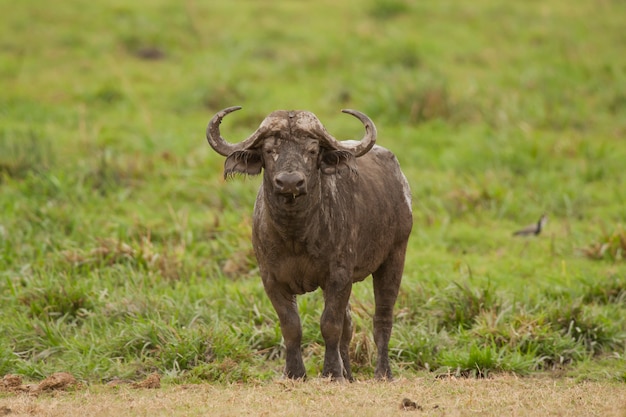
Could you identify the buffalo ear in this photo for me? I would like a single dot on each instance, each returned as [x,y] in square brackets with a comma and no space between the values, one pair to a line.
[247,162]
[337,162]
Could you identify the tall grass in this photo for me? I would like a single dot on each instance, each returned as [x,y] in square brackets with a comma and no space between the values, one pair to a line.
[123,252]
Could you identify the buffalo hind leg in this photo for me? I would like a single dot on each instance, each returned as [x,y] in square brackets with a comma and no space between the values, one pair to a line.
[386,286]
[287,309]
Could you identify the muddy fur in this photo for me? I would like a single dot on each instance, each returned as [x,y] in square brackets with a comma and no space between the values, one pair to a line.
[326,216]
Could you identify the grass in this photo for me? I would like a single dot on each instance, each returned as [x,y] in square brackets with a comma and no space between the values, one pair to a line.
[424,397]
[123,252]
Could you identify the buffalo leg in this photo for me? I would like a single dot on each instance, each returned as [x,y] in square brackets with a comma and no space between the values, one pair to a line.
[386,286]
[344,349]
[332,326]
[287,309]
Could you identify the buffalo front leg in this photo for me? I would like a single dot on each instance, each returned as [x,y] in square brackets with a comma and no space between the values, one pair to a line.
[333,323]
[386,286]
[344,349]
[287,309]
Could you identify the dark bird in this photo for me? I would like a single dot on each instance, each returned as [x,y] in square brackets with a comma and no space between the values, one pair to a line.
[533,229]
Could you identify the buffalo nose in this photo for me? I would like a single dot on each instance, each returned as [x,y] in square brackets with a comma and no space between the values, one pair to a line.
[290,183]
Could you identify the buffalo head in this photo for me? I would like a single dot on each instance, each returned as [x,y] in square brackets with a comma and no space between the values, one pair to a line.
[290,146]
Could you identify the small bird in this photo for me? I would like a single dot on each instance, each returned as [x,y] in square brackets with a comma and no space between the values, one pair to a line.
[533,229]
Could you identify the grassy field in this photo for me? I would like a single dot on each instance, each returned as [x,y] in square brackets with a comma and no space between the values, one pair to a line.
[123,252]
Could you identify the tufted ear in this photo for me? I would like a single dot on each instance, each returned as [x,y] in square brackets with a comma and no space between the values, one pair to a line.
[337,162]
[247,162]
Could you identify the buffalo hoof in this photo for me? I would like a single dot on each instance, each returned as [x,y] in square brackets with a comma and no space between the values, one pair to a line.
[384,376]
[335,379]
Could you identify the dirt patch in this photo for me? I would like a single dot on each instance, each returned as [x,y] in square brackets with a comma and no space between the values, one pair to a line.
[55,382]
[59,381]
[64,381]
[153,381]
[10,382]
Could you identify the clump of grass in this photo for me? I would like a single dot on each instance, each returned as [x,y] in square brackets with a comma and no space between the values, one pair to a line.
[460,304]
[172,348]
[470,199]
[362,351]
[241,263]
[108,252]
[141,254]
[404,55]
[529,342]
[548,348]
[427,103]
[267,341]
[594,332]
[610,367]
[113,171]
[52,299]
[22,153]
[39,339]
[609,246]
[418,347]
[414,96]
[419,100]
[107,94]
[605,291]
[477,361]
[386,9]
[8,359]
[221,96]
[226,371]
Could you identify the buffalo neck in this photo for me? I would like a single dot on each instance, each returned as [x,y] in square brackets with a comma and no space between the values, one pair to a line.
[295,220]
[323,210]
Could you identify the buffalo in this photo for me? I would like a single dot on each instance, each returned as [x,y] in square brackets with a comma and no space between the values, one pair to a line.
[328,213]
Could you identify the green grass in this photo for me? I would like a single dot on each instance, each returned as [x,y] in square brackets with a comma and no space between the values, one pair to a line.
[122,250]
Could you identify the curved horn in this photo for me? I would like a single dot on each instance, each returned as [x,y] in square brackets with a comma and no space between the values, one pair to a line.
[367,142]
[221,145]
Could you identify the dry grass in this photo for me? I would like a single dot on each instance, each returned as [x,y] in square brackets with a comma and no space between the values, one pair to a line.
[503,395]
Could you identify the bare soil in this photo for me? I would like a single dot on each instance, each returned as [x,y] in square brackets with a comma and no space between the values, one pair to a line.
[498,396]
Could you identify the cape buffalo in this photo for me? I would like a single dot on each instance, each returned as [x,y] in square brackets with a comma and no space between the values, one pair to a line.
[328,213]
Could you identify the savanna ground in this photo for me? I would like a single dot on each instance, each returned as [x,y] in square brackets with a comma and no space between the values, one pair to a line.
[123,253]
[499,396]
